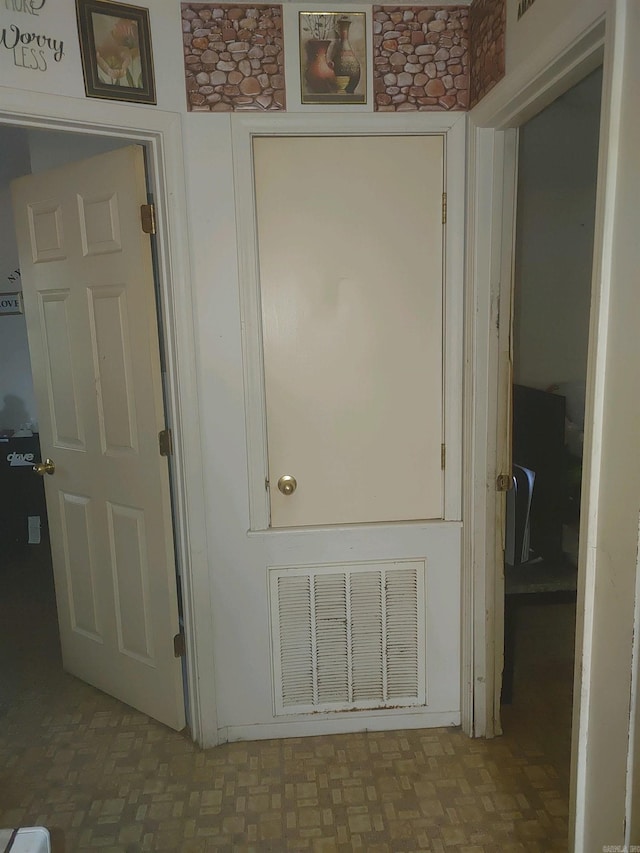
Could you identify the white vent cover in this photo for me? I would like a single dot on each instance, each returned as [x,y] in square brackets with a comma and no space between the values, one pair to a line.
[351,638]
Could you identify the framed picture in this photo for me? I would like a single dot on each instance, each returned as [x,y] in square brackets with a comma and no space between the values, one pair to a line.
[115,42]
[333,58]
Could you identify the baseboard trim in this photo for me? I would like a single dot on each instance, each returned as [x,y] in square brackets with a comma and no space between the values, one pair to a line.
[341,725]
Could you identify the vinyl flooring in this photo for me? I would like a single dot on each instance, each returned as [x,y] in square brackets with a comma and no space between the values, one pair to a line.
[104,777]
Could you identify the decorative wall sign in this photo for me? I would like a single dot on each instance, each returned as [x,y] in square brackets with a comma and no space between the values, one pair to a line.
[421,58]
[233,57]
[115,42]
[11,303]
[32,50]
[333,58]
[29,7]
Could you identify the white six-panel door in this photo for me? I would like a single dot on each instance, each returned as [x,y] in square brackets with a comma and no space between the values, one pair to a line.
[91,318]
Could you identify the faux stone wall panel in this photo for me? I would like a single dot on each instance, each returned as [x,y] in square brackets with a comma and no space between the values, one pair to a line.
[233,57]
[487,25]
[420,58]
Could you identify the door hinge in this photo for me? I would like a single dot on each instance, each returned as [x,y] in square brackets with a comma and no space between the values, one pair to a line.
[444,208]
[267,484]
[504,482]
[165,441]
[179,646]
[148,218]
[443,456]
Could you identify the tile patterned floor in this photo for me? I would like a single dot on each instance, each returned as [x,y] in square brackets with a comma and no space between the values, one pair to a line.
[104,777]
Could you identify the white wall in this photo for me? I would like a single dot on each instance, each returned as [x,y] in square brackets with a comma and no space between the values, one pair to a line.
[17,403]
[556,215]
[546,28]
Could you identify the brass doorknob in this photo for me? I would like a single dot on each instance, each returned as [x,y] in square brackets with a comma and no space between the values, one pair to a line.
[287,484]
[46,467]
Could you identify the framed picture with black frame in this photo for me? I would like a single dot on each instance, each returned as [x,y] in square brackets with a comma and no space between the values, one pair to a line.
[115,42]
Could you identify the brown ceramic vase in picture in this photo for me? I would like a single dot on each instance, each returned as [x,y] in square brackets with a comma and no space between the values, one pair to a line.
[319,72]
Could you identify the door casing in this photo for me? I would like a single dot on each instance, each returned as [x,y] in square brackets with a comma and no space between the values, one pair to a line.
[452,127]
[160,133]
[492,165]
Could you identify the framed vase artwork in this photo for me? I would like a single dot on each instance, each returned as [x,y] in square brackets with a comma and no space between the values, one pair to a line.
[333,58]
[115,43]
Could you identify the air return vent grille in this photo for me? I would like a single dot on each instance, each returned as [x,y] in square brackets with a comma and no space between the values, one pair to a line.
[349,638]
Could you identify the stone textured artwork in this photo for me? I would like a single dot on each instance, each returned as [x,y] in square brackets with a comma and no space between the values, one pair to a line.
[487,24]
[234,57]
[420,58]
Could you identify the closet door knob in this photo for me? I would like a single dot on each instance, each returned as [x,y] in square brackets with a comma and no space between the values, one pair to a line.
[287,484]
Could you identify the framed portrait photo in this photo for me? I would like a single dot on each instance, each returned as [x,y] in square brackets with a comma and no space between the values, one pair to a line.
[115,42]
[333,58]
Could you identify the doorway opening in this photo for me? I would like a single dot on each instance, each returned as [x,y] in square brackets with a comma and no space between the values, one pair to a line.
[555,222]
[26,542]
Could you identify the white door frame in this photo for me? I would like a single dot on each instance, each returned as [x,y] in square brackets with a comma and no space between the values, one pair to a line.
[492,170]
[452,127]
[160,133]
